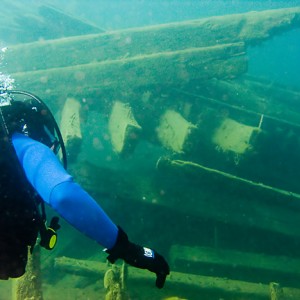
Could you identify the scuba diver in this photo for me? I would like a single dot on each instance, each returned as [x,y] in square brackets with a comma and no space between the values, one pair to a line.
[32,175]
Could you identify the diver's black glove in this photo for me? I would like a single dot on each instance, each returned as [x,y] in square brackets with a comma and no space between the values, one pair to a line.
[139,257]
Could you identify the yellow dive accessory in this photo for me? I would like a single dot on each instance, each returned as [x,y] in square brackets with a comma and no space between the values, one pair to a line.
[48,239]
[53,239]
[48,234]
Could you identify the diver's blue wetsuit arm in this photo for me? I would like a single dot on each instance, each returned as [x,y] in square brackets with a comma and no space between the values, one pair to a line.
[57,188]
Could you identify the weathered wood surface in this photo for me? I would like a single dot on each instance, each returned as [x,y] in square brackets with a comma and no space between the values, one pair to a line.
[70,127]
[250,95]
[29,286]
[221,285]
[123,129]
[251,27]
[274,114]
[167,68]
[23,23]
[192,190]
[174,131]
[235,259]
[276,291]
[238,201]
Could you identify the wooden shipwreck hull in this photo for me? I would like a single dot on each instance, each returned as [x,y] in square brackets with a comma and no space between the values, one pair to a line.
[232,143]
[211,48]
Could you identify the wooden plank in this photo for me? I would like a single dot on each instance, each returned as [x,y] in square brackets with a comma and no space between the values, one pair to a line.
[22,23]
[245,184]
[235,259]
[193,190]
[251,27]
[174,131]
[167,68]
[185,281]
[281,102]
[252,95]
[70,128]
[123,129]
[239,201]
[276,291]
[234,137]
[273,144]
[29,286]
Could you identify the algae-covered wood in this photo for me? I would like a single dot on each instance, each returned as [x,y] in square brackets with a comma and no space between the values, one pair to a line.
[229,198]
[190,189]
[248,130]
[167,68]
[229,259]
[70,127]
[184,281]
[234,136]
[154,60]
[174,131]
[123,128]
[29,286]
[36,21]
[251,27]
[257,96]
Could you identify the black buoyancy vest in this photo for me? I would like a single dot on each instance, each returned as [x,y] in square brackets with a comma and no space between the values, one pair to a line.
[18,203]
[20,218]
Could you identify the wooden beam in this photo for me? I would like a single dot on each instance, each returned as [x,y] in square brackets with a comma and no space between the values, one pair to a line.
[251,27]
[174,131]
[235,260]
[240,201]
[123,129]
[176,279]
[190,189]
[28,23]
[70,127]
[29,286]
[166,68]
[250,95]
